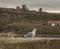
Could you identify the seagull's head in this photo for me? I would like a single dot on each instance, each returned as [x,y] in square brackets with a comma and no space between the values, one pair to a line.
[35,29]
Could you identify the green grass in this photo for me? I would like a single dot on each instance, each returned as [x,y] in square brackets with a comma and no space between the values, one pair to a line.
[26,27]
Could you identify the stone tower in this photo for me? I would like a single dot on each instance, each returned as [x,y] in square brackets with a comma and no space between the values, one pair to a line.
[18,7]
[24,6]
[40,10]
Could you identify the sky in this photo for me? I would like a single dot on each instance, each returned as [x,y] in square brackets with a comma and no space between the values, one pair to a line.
[46,5]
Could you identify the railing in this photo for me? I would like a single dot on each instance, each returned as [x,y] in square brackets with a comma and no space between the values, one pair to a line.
[40,36]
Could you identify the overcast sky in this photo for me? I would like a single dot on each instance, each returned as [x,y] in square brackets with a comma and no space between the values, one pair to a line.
[47,5]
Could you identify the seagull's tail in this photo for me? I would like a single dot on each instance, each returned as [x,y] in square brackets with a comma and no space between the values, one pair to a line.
[25,36]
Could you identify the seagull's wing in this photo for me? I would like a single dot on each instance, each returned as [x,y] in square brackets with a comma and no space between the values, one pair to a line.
[28,34]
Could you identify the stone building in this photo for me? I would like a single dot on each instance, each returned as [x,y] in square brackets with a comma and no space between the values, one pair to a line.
[53,23]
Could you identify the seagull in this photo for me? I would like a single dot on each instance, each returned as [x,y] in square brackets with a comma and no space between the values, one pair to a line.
[31,34]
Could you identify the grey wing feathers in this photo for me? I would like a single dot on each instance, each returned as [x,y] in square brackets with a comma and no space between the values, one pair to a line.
[29,34]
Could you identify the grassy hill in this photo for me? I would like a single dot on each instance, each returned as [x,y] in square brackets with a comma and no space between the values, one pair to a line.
[22,21]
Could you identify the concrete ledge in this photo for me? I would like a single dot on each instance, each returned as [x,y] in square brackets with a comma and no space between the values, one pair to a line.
[21,39]
[30,43]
